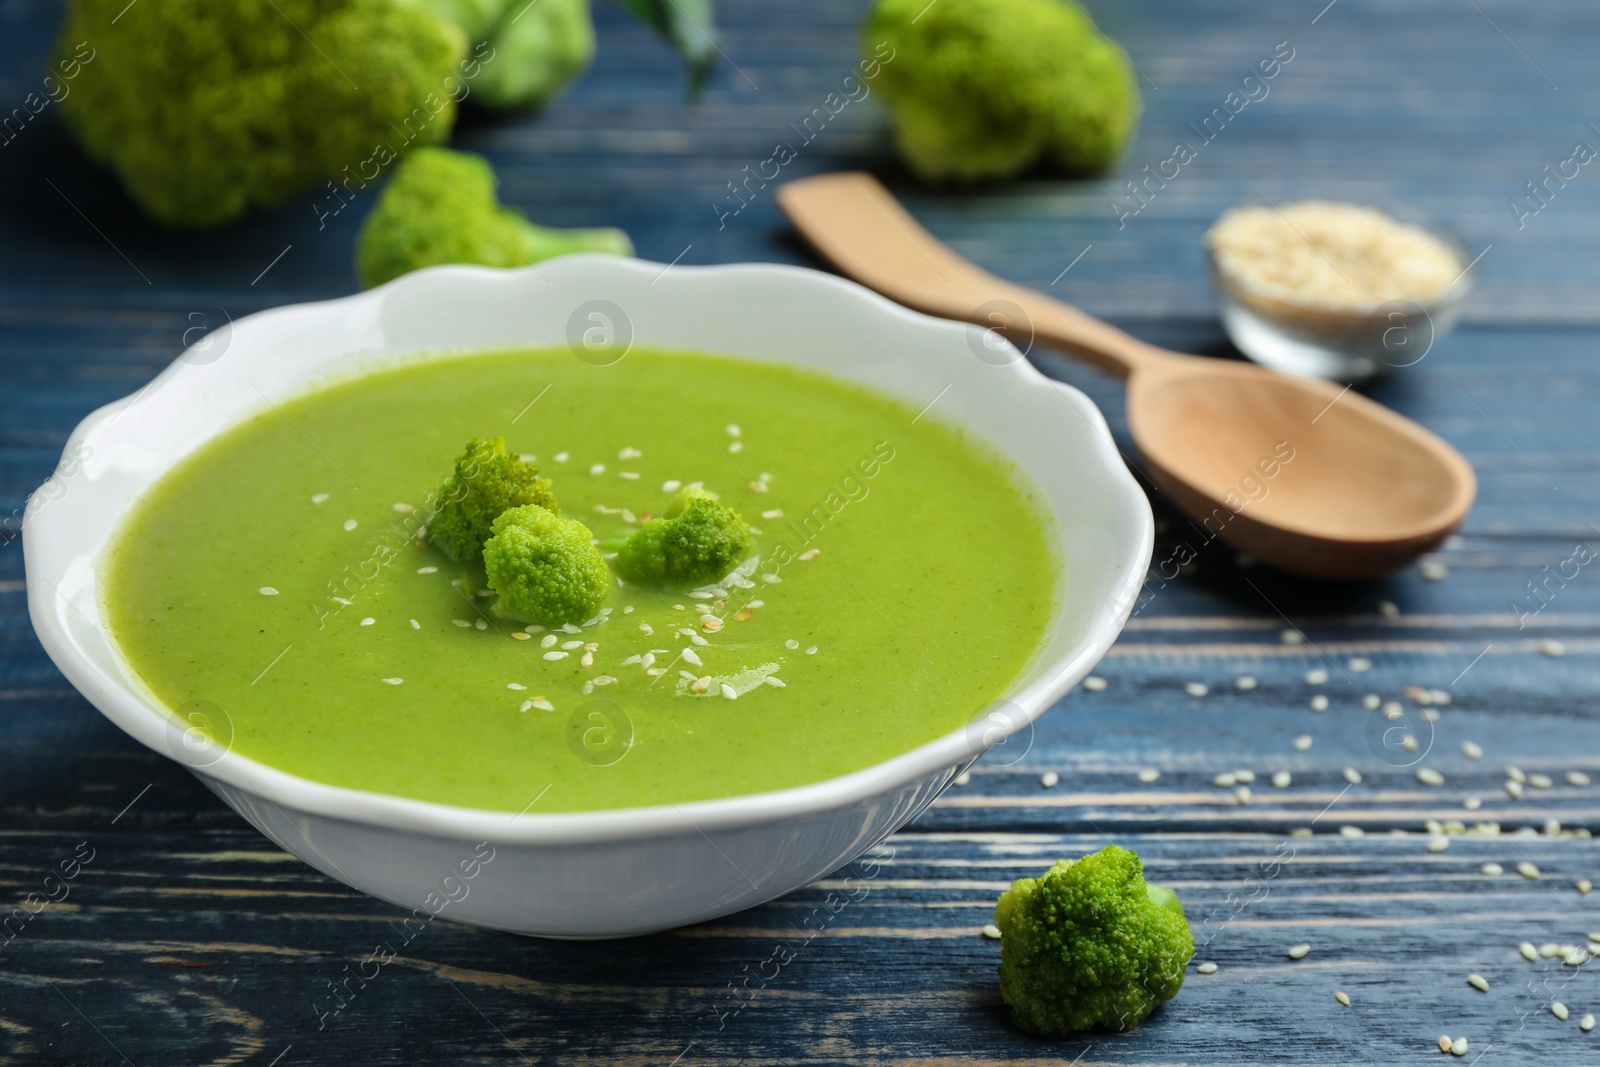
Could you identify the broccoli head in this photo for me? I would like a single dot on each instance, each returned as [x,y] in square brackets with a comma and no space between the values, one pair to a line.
[698,539]
[986,89]
[530,51]
[486,481]
[1090,943]
[440,207]
[545,568]
[205,110]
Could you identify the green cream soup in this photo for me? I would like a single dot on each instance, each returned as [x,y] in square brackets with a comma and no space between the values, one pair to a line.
[903,577]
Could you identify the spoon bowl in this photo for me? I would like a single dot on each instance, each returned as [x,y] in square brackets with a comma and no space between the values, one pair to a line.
[1303,474]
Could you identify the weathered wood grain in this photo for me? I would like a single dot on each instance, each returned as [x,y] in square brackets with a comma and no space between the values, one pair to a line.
[188,939]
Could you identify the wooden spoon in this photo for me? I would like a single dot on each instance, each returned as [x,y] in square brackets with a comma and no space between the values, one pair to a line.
[1301,473]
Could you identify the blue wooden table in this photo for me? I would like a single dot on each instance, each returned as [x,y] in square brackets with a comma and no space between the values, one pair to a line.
[187,938]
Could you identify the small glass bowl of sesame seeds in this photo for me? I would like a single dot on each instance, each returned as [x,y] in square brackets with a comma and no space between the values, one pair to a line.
[1335,290]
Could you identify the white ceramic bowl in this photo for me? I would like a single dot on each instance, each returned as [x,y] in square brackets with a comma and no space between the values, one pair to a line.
[603,873]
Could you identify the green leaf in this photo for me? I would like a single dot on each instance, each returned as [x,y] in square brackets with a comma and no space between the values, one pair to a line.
[691,27]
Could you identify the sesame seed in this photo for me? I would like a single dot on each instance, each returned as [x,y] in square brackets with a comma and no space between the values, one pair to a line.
[1226,780]
[1282,779]
[587,659]
[1515,774]
[812,651]
[1492,869]
[1317,676]
[1094,683]
[1438,844]
[462,623]
[1196,689]
[427,570]
[1472,803]
[1342,997]
[1245,683]
[570,645]
[1359,664]
[754,604]
[393,681]
[710,624]
[568,628]
[1319,703]
[1049,779]
[415,625]
[556,654]
[1371,701]
[267,590]
[991,931]
[1302,742]
[810,554]
[1540,781]
[1528,870]
[648,660]
[1583,885]
[1206,968]
[320,498]
[1388,609]
[1352,831]
[1471,750]
[560,457]
[1552,648]
[1586,1023]
[736,446]
[534,629]
[771,579]
[1244,776]
[698,640]
[1559,1010]
[1444,1042]
[776,682]
[691,657]
[1148,775]
[1352,776]
[1429,776]
[1434,572]
[542,704]
[1577,778]
[480,624]
[525,705]
[1549,949]
[791,643]
[1528,952]
[1458,1047]
[598,468]
[1291,637]
[350,524]
[1298,952]
[1513,789]
[1552,827]
[963,778]
[1242,794]
[729,691]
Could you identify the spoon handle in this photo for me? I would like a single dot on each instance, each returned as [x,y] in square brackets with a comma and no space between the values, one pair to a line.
[858,226]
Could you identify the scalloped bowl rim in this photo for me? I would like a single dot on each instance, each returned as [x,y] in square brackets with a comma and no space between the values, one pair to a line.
[136,712]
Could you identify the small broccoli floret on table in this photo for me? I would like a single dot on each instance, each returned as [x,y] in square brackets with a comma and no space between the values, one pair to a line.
[986,89]
[698,539]
[1090,944]
[441,207]
[486,481]
[207,109]
[545,568]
